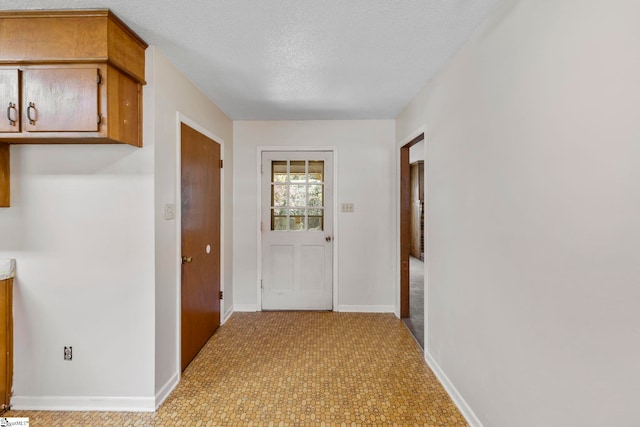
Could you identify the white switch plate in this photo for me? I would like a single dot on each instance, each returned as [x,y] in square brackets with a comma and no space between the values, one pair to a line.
[169,211]
[347,207]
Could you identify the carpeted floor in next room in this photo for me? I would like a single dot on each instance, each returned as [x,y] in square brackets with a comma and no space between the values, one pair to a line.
[415,321]
[295,369]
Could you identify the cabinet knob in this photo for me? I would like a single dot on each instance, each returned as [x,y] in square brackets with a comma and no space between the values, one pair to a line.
[32,119]
[12,117]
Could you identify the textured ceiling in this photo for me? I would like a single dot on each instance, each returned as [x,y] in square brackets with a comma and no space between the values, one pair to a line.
[299,59]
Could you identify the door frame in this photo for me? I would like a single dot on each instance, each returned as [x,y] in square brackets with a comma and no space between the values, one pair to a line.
[180,119]
[402,150]
[334,152]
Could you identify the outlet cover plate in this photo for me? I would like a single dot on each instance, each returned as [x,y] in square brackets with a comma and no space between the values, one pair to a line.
[347,207]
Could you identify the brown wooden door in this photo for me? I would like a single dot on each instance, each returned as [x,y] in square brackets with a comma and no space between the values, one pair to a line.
[9,101]
[200,241]
[60,100]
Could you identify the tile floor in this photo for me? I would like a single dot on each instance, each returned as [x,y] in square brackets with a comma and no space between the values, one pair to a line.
[295,369]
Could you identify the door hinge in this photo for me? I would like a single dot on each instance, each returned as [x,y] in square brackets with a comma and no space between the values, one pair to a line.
[99,119]
[260,225]
[261,284]
[99,78]
[221,294]
[221,163]
[261,169]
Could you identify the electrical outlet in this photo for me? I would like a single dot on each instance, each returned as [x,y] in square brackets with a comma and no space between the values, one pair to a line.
[68,353]
[347,207]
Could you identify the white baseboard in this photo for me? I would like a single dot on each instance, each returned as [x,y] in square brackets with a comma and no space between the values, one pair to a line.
[245,307]
[366,308]
[457,398]
[226,315]
[83,403]
[166,389]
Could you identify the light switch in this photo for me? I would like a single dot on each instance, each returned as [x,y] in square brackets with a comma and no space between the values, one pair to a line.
[347,207]
[169,211]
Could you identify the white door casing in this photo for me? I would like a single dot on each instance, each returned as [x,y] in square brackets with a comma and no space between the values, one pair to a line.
[297,230]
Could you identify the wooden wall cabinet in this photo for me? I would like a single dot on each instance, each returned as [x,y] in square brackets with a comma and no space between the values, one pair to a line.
[70,76]
[67,77]
[78,103]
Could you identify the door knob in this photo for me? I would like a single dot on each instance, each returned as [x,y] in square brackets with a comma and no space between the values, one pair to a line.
[186,259]
[328,238]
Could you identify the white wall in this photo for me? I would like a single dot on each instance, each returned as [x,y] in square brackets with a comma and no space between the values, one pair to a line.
[173,93]
[81,230]
[533,161]
[94,270]
[365,239]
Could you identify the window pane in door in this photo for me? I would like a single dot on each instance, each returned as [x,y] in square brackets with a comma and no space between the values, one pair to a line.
[296,223]
[279,223]
[296,186]
[315,223]
[316,171]
[297,195]
[298,171]
[279,171]
[279,195]
[315,195]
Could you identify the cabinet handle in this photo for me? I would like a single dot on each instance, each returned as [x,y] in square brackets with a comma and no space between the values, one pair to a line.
[32,120]
[12,121]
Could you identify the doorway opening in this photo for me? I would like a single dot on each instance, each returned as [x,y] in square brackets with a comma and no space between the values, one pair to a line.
[412,226]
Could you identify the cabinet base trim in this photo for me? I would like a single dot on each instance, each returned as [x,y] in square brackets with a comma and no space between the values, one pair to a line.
[82,403]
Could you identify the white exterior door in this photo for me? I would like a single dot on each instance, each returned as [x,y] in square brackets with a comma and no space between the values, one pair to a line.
[297,230]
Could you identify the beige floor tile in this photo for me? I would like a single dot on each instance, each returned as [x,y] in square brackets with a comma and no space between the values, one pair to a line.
[295,369]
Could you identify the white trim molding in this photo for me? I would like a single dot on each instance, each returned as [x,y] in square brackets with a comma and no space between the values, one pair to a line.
[366,309]
[227,315]
[245,308]
[83,403]
[166,389]
[453,393]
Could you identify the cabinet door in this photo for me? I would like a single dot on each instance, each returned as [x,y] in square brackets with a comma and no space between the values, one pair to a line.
[9,101]
[60,100]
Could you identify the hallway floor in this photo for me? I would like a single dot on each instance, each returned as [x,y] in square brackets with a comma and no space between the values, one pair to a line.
[295,369]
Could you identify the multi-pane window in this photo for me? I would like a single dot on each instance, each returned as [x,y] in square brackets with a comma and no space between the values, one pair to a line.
[297,195]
